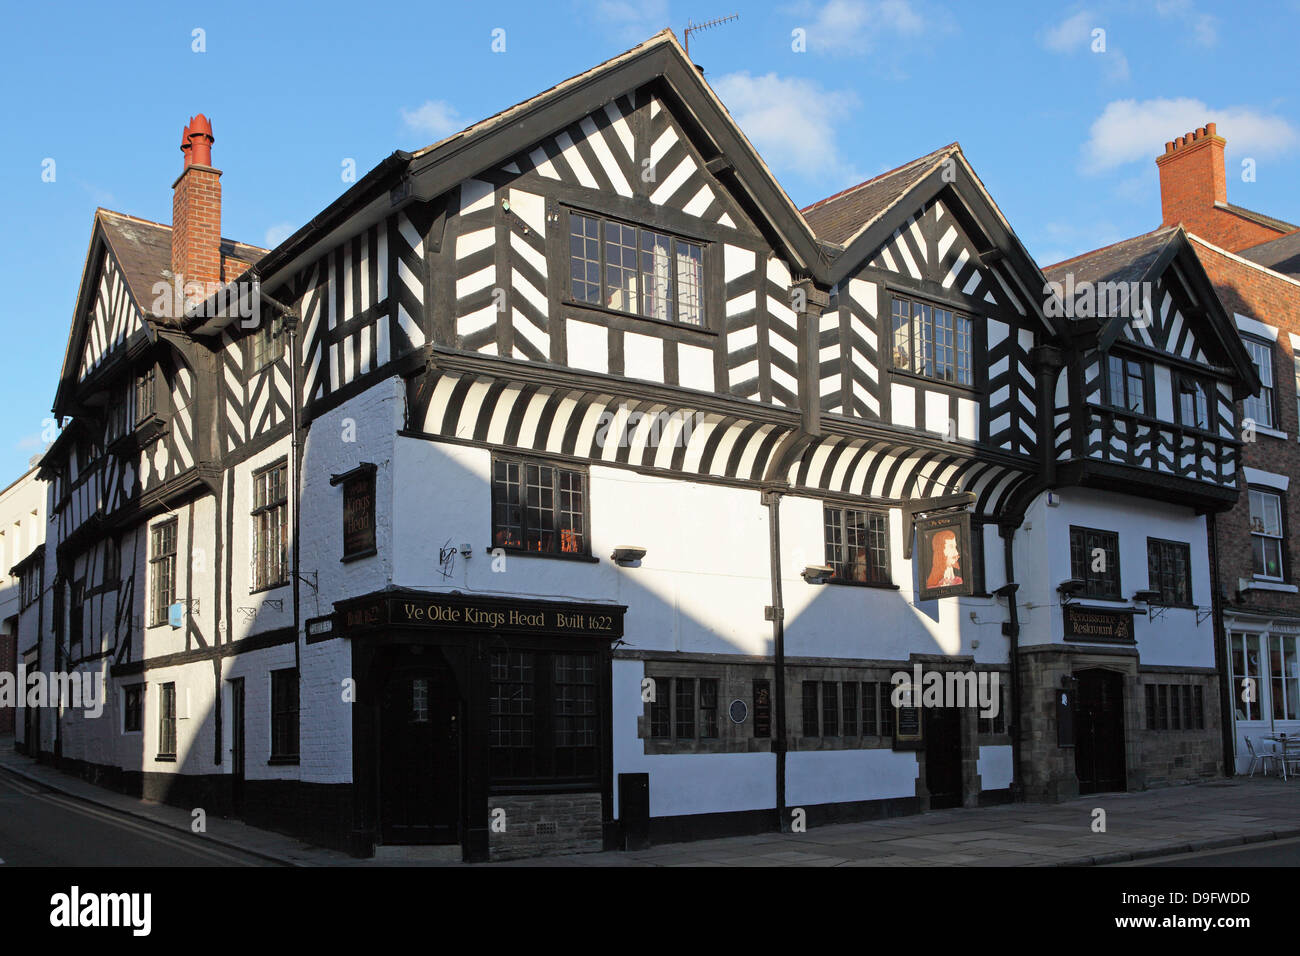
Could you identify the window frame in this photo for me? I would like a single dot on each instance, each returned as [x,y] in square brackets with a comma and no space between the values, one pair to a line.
[1180,380]
[1089,575]
[158,613]
[262,580]
[1126,377]
[146,397]
[915,364]
[602,221]
[1280,538]
[266,343]
[842,512]
[557,533]
[1268,393]
[285,715]
[1158,548]
[166,721]
[138,709]
[545,751]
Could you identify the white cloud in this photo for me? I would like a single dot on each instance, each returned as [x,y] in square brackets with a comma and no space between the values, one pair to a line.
[855,26]
[792,123]
[434,119]
[1071,35]
[277,234]
[1136,130]
[1204,27]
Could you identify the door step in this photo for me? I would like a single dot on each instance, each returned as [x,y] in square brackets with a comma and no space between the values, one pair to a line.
[449,853]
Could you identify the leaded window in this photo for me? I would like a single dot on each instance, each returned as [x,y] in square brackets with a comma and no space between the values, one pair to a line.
[270,527]
[538,507]
[1170,573]
[284,714]
[1094,560]
[635,270]
[932,341]
[857,545]
[1127,383]
[162,570]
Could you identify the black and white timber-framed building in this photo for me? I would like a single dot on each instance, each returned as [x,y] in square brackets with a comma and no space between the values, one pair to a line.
[596,522]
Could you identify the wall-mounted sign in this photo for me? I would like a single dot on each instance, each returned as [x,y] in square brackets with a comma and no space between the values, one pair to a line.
[358,511]
[943,556]
[462,613]
[738,711]
[1101,625]
[320,628]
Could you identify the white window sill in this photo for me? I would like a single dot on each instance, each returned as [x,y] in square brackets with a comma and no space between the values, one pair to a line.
[1270,586]
[1271,432]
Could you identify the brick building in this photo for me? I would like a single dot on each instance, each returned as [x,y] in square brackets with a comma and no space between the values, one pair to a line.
[1253,260]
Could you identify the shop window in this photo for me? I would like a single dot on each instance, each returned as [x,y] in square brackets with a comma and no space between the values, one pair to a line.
[544,717]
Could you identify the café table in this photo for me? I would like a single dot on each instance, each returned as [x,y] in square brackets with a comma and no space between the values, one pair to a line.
[1290,748]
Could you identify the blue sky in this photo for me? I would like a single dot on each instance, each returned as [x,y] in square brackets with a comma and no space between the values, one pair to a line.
[1063,136]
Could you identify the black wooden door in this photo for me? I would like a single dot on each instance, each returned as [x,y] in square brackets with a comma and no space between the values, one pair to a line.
[942,733]
[1099,731]
[419,756]
[237,746]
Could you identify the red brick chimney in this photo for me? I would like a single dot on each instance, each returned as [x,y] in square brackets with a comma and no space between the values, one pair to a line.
[196,210]
[1192,178]
[1194,192]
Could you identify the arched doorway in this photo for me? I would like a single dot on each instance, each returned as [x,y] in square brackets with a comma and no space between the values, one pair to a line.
[1099,731]
[419,747]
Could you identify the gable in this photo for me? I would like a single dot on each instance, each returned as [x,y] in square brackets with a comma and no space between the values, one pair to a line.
[112,317]
[931,255]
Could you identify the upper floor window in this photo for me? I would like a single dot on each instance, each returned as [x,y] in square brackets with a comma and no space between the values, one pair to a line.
[1169,567]
[77,618]
[857,545]
[30,584]
[1266,535]
[162,570]
[932,341]
[539,507]
[270,526]
[1126,381]
[144,396]
[1260,407]
[266,344]
[1194,408]
[116,425]
[636,270]
[1094,560]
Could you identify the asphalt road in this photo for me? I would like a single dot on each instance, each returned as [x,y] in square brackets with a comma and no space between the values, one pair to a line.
[41,828]
[1273,853]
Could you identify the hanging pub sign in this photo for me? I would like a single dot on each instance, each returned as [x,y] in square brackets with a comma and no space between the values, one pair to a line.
[943,556]
[358,511]
[1101,625]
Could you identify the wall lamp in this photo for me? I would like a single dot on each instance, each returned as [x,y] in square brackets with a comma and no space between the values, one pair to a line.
[1069,588]
[626,556]
[818,573]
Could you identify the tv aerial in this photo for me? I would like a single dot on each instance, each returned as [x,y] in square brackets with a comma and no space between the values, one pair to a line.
[693,27]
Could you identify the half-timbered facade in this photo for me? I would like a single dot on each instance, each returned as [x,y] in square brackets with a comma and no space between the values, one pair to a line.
[559,489]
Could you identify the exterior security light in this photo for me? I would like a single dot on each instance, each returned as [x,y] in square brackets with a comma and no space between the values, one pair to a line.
[627,555]
[818,573]
[465,550]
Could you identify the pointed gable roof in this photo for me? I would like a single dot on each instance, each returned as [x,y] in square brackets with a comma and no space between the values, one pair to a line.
[435,169]
[139,251]
[840,218]
[1147,258]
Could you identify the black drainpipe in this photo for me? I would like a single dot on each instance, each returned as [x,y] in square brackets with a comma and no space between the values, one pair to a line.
[1012,630]
[776,614]
[1226,690]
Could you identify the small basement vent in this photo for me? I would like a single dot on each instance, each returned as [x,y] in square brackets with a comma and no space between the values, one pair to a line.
[546,829]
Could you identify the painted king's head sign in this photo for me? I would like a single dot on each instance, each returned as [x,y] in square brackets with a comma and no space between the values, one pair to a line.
[943,556]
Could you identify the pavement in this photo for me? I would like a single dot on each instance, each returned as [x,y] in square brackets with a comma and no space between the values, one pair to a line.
[1215,815]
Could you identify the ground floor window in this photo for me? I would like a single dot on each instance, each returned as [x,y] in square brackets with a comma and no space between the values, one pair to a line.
[284,714]
[544,717]
[1175,707]
[684,708]
[167,721]
[133,709]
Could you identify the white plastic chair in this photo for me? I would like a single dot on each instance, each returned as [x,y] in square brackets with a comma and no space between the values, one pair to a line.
[1261,759]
